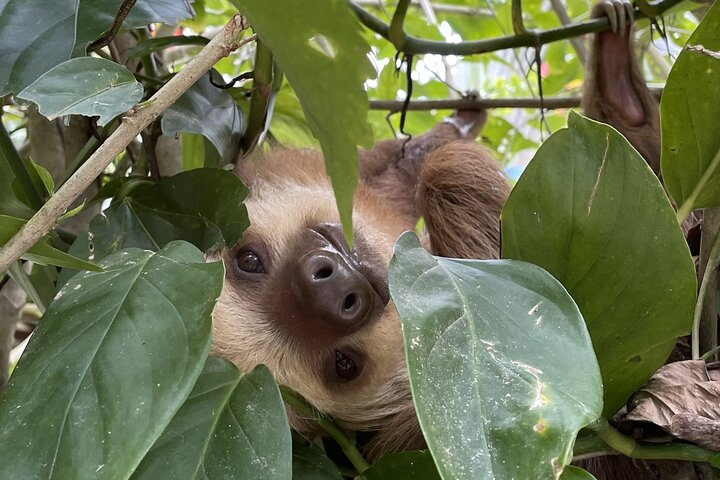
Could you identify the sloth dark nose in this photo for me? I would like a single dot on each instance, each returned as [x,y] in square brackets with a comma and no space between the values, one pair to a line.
[332,291]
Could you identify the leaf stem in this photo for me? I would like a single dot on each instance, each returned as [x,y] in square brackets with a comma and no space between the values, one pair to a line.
[710,268]
[8,152]
[296,401]
[396,31]
[689,204]
[413,45]
[259,99]
[662,451]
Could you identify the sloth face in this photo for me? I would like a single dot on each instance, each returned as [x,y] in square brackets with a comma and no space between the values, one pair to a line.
[315,311]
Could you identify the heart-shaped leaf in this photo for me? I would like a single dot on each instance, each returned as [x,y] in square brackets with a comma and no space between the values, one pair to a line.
[231,426]
[318,46]
[112,360]
[85,86]
[210,111]
[689,115]
[590,211]
[488,345]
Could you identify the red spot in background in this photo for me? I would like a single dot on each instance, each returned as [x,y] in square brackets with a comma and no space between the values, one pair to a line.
[544,70]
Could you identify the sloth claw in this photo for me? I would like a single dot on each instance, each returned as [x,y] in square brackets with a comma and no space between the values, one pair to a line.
[618,12]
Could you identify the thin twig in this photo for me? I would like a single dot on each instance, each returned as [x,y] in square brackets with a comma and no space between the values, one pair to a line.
[470,103]
[414,45]
[577,42]
[138,118]
[115,27]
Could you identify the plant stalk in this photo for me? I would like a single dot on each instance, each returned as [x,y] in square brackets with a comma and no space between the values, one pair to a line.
[296,401]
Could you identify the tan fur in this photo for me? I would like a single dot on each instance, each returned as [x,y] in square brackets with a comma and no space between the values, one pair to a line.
[290,192]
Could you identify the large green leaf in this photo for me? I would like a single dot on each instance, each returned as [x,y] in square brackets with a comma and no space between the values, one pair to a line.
[35,35]
[690,114]
[110,363]
[590,211]
[210,111]
[318,46]
[413,465]
[85,86]
[42,252]
[501,366]
[231,426]
[203,206]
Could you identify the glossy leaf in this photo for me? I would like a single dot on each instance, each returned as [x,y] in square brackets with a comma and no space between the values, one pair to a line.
[210,111]
[232,425]
[590,211]
[488,344]
[318,46]
[413,465]
[85,86]
[42,252]
[9,203]
[112,360]
[309,462]
[690,113]
[34,38]
[203,206]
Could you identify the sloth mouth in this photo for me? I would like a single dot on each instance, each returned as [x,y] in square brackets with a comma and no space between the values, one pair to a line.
[362,257]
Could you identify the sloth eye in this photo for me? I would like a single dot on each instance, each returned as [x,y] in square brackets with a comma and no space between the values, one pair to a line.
[345,367]
[250,262]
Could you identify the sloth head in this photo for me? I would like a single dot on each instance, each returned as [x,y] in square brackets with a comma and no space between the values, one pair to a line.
[298,299]
[315,311]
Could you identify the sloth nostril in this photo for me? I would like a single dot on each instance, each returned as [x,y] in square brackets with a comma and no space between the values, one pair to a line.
[323,273]
[350,301]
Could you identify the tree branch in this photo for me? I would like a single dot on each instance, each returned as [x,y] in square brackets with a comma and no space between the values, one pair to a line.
[577,43]
[469,103]
[437,7]
[413,45]
[132,124]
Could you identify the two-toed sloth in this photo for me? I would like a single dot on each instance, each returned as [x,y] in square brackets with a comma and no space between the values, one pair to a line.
[317,312]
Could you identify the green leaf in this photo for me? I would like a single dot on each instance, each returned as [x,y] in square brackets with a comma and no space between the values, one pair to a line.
[9,203]
[110,363]
[42,252]
[318,46]
[413,465]
[203,206]
[85,86]
[35,38]
[40,178]
[488,344]
[689,114]
[231,426]
[309,462]
[575,473]
[210,111]
[193,150]
[590,211]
